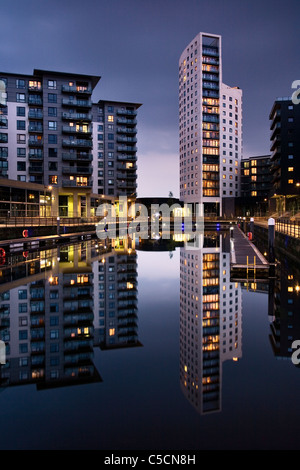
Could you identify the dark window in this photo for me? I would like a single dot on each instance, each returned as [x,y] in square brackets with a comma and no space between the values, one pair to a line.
[21,166]
[52,152]
[52,139]
[21,125]
[20,111]
[52,98]
[52,111]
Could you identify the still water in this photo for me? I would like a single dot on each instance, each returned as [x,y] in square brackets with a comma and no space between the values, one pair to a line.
[138,347]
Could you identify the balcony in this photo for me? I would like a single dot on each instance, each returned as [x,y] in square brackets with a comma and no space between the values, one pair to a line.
[35,114]
[210,51]
[35,142]
[127,112]
[126,184]
[35,100]
[127,122]
[76,130]
[77,171]
[3,121]
[77,143]
[73,183]
[36,169]
[274,131]
[276,153]
[35,128]
[35,88]
[77,116]
[77,103]
[125,139]
[125,130]
[126,157]
[276,142]
[75,89]
[126,176]
[126,148]
[122,167]
[75,157]
[208,76]
[36,156]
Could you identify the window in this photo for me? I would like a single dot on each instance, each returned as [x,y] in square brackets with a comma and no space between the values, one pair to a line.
[52,166]
[290,168]
[52,84]
[110,118]
[52,152]
[22,294]
[21,139]
[21,152]
[52,98]
[20,111]
[52,139]
[21,97]
[21,166]
[22,308]
[110,136]
[21,125]
[52,125]
[290,181]
[52,111]
[20,83]
[53,179]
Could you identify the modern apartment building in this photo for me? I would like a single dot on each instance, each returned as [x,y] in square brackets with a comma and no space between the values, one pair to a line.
[210,321]
[210,127]
[256,183]
[61,306]
[114,148]
[285,148]
[53,134]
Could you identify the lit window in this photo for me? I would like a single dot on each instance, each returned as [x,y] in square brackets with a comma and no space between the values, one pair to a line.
[291,181]
[111,332]
[291,168]
[110,118]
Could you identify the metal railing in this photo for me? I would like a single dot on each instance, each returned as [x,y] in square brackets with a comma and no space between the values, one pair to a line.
[288,227]
[46,221]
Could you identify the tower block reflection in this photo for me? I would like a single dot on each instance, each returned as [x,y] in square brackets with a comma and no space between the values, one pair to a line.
[210,321]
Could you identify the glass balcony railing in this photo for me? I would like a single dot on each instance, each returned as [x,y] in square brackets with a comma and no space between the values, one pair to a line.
[77,116]
[35,114]
[74,157]
[77,143]
[76,89]
[77,103]
[127,112]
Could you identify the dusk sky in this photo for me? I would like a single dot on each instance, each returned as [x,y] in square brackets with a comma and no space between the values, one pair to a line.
[135,45]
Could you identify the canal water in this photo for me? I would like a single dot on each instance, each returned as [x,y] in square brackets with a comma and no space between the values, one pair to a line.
[131,346]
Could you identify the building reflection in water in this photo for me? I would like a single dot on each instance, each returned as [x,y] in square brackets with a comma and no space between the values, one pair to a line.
[60,304]
[210,320]
[284,307]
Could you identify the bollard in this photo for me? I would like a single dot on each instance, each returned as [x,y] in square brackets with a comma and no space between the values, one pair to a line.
[271,240]
[252,227]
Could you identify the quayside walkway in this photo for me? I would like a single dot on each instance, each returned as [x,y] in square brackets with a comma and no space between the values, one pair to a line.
[245,257]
